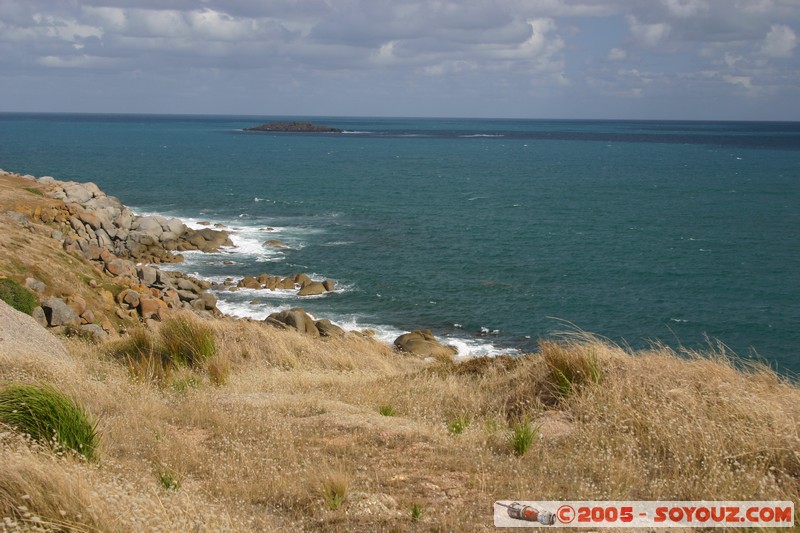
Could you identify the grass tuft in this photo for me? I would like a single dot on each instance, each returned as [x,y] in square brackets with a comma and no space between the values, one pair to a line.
[570,367]
[49,416]
[187,341]
[181,341]
[335,486]
[219,370]
[458,424]
[144,358]
[17,296]
[387,410]
[33,190]
[522,436]
[169,479]
[416,511]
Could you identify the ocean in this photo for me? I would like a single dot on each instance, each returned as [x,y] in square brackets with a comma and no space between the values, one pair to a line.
[492,233]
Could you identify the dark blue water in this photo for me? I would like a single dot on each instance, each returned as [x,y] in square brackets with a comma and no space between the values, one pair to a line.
[639,231]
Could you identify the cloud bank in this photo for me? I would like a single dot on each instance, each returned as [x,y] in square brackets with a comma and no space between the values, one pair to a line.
[630,58]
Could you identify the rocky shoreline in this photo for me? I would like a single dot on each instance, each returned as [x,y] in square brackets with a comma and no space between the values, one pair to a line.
[126,247]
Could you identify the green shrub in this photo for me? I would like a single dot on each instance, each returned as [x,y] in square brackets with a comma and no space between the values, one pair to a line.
[187,341]
[387,410]
[522,436]
[48,416]
[33,190]
[17,296]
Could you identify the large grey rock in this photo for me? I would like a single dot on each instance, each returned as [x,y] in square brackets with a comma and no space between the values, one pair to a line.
[147,274]
[327,328]
[149,225]
[312,289]
[39,316]
[173,225]
[78,192]
[58,313]
[21,336]
[296,318]
[35,285]
[423,343]
[95,331]
[125,219]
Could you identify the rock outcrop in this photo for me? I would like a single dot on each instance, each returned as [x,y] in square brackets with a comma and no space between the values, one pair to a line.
[294,127]
[303,283]
[90,222]
[297,319]
[423,343]
[116,242]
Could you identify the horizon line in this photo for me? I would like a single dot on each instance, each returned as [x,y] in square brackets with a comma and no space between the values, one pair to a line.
[402,117]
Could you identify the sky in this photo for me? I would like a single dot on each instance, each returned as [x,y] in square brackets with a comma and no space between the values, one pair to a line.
[613,59]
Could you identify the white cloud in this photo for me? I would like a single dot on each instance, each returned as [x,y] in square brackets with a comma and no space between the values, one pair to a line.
[745,82]
[686,8]
[82,61]
[617,54]
[779,42]
[473,46]
[650,35]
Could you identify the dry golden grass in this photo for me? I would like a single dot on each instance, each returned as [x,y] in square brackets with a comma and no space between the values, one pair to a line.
[293,438]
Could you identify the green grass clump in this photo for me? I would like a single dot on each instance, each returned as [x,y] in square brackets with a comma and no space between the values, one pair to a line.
[145,359]
[33,190]
[570,367]
[49,416]
[181,342]
[458,424]
[522,436]
[387,410]
[168,478]
[416,511]
[17,296]
[187,341]
[335,486]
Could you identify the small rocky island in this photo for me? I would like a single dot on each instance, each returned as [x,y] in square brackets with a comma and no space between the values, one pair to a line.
[294,127]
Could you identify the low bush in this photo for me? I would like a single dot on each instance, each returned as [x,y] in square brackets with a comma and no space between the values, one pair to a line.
[49,416]
[17,296]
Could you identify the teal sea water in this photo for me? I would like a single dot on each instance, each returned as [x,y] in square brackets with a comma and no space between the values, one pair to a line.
[638,231]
